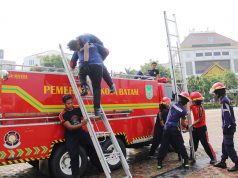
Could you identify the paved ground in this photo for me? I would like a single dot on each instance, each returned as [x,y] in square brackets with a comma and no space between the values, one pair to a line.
[143,167]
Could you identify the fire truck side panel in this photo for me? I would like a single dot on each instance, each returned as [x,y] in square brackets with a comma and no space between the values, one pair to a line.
[31,101]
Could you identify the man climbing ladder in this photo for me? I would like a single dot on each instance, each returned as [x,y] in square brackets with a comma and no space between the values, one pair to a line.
[102,157]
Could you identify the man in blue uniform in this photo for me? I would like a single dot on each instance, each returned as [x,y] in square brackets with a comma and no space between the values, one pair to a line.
[172,133]
[91,64]
[92,39]
[228,126]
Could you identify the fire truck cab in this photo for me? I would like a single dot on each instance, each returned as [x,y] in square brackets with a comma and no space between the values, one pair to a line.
[30,130]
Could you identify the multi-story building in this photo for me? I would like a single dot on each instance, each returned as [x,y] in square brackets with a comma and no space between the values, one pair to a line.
[37,59]
[200,51]
[6,64]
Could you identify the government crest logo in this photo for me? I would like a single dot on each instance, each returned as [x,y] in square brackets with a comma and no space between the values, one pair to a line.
[149,91]
[12,139]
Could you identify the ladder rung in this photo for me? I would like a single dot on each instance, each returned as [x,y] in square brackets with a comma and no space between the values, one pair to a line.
[173,35]
[103,134]
[87,97]
[171,20]
[112,154]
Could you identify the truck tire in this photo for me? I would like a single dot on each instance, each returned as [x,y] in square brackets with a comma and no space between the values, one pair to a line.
[60,162]
[108,148]
[35,164]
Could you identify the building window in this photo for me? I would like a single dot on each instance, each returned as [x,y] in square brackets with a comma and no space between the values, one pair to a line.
[199,54]
[208,53]
[217,53]
[189,68]
[225,53]
[202,66]
[236,65]
[31,62]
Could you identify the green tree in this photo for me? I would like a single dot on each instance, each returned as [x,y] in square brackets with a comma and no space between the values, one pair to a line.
[52,61]
[130,71]
[229,80]
[204,83]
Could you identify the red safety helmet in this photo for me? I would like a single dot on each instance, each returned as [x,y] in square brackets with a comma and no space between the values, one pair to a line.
[217,86]
[166,101]
[196,96]
[185,95]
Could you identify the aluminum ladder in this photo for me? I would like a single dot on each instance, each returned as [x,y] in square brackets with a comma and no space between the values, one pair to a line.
[177,71]
[103,157]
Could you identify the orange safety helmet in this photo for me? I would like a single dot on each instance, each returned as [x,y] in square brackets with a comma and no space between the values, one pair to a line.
[217,86]
[185,95]
[166,101]
[196,96]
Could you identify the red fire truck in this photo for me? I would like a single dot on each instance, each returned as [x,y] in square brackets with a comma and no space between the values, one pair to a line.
[30,130]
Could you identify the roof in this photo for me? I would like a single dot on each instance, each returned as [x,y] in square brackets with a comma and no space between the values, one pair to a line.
[215,69]
[207,39]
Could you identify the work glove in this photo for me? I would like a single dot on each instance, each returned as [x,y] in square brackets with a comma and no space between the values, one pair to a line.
[85,67]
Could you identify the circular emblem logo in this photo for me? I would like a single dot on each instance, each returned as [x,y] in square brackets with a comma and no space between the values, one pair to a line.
[12,139]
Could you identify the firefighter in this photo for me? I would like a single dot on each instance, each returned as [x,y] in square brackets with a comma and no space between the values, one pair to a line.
[72,119]
[172,132]
[228,126]
[104,52]
[153,72]
[199,126]
[91,63]
[106,76]
[159,124]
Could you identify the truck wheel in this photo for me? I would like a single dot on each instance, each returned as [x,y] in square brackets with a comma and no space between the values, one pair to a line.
[114,162]
[35,163]
[60,162]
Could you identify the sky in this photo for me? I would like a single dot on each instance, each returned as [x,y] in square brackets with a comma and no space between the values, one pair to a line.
[133,30]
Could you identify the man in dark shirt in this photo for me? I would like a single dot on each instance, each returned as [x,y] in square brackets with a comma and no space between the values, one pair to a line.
[153,72]
[73,121]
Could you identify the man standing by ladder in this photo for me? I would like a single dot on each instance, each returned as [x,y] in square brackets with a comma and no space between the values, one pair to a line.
[71,118]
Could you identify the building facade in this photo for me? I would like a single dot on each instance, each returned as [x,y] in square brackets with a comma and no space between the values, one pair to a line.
[36,59]
[200,51]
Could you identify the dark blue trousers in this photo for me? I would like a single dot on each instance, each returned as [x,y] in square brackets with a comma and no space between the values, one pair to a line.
[228,149]
[172,135]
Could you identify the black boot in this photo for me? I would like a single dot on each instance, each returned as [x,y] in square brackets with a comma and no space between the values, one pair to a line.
[159,165]
[233,169]
[221,164]
[185,163]
[84,90]
[97,111]
[113,88]
[213,161]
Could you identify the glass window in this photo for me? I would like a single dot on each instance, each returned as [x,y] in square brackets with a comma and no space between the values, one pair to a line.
[217,53]
[202,66]
[189,68]
[208,53]
[225,53]
[199,54]
[236,65]
[168,91]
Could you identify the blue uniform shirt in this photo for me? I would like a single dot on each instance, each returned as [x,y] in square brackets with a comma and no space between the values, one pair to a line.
[96,51]
[228,118]
[176,112]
